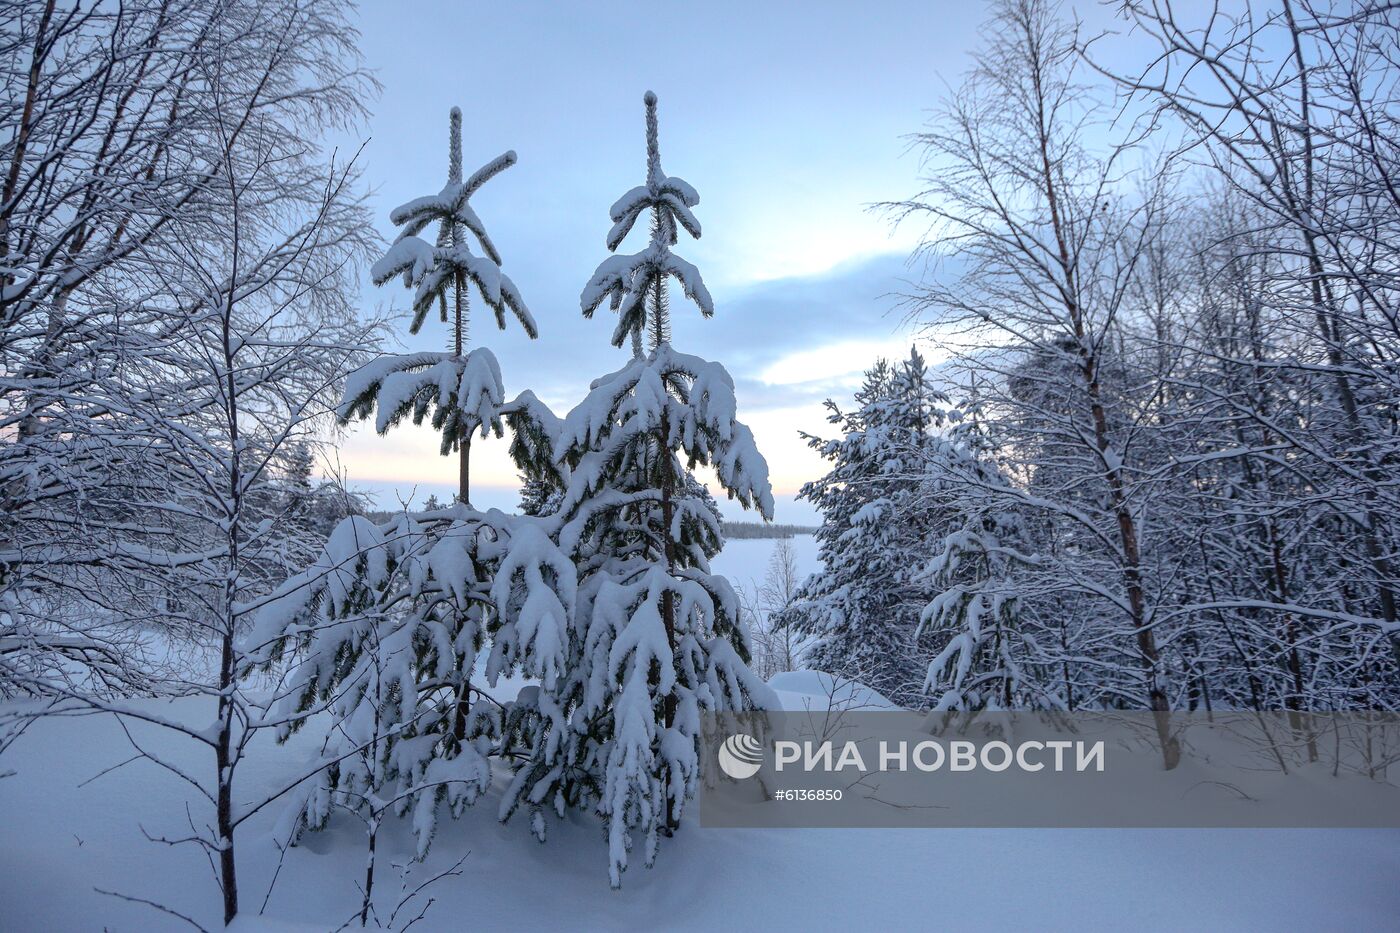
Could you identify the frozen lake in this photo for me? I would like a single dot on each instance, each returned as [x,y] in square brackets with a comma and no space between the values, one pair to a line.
[745,560]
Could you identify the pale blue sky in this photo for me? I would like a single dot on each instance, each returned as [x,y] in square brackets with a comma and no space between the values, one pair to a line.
[788,119]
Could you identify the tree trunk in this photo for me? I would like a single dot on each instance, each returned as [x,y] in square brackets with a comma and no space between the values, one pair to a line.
[1113,471]
[369,871]
[464,470]
[223,757]
[464,445]
[668,603]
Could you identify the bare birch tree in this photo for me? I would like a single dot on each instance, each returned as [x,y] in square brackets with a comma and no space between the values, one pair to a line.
[204,337]
[1048,244]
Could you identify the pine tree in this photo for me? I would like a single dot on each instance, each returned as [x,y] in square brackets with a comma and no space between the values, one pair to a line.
[660,638]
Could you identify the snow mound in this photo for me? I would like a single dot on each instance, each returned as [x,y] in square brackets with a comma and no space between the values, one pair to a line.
[809,690]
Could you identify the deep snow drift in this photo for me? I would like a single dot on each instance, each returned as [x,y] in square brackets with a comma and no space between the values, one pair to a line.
[67,833]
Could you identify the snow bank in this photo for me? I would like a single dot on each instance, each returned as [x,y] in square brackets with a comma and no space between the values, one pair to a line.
[64,840]
[808,690]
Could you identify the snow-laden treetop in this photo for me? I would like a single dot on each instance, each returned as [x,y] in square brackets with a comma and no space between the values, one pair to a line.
[460,390]
[432,270]
[636,283]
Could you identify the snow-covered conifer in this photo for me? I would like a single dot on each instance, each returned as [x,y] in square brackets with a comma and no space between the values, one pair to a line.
[863,607]
[987,655]
[635,283]
[389,625]
[660,636]
[387,628]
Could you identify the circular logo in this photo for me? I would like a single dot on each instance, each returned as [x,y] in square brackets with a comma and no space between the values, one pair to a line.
[740,756]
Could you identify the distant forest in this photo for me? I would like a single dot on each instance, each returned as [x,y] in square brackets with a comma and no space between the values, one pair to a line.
[738,530]
[732,530]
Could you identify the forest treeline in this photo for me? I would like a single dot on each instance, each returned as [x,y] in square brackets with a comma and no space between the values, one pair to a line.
[1154,462]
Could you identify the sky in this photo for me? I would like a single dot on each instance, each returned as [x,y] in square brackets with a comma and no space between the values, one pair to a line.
[790,120]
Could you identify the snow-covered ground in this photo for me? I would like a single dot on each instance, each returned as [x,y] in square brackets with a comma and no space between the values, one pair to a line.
[68,832]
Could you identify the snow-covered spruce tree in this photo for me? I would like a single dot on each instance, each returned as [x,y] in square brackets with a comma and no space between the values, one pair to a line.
[636,285]
[386,629]
[987,653]
[660,636]
[863,608]
[387,626]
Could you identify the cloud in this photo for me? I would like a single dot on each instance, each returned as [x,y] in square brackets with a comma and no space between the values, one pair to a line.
[757,324]
[843,362]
